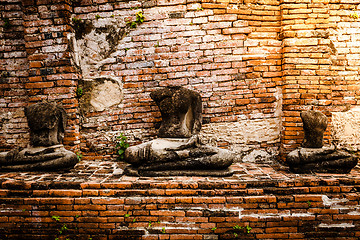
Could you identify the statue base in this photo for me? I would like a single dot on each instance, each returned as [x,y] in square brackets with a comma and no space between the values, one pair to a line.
[50,158]
[321,160]
[177,157]
[131,171]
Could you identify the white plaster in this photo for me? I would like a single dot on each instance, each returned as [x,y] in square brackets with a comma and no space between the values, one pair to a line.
[275,215]
[105,95]
[346,129]
[340,225]
[354,213]
[332,202]
[257,156]
[90,54]
[242,133]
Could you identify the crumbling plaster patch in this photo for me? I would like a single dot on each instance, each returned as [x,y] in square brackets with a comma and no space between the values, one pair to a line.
[105,95]
[346,129]
[242,133]
[91,52]
[245,136]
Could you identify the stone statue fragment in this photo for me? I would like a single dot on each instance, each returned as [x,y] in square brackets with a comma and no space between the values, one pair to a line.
[314,124]
[313,156]
[47,123]
[178,151]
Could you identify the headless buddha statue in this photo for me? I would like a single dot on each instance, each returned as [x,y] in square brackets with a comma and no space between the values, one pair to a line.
[47,126]
[178,151]
[313,156]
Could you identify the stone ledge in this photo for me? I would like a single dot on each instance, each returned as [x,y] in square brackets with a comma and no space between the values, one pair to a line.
[257,202]
[108,175]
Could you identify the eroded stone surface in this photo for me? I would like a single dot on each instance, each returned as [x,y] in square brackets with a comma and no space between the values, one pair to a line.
[314,124]
[324,160]
[167,157]
[243,135]
[180,109]
[346,129]
[105,95]
[95,47]
[38,158]
[47,123]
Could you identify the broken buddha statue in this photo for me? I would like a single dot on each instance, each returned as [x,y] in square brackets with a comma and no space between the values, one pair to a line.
[47,126]
[178,151]
[313,156]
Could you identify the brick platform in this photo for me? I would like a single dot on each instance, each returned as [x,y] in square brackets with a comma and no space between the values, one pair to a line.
[95,201]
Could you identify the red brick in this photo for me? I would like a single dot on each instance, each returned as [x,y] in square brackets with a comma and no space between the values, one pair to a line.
[39,85]
[65,193]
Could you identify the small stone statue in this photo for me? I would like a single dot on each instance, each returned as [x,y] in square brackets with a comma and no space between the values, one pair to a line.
[47,126]
[178,151]
[312,156]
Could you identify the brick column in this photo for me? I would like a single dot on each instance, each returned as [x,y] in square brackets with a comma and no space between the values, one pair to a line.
[52,77]
[307,77]
[13,74]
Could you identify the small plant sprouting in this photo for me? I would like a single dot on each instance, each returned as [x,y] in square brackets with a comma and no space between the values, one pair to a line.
[77,23]
[200,9]
[149,225]
[63,229]
[127,215]
[157,44]
[97,16]
[309,203]
[354,15]
[56,218]
[163,230]
[121,146]
[79,157]
[237,227]
[235,235]
[213,229]
[134,220]
[133,24]
[140,18]
[112,16]
[79,92]
[248,229]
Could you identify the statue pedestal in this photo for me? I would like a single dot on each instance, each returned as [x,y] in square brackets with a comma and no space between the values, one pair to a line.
[321,160]
[131,171]
[37,158]
[176,157]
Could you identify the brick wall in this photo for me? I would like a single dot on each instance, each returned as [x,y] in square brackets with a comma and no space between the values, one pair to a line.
[13,75]
[240,207]
[37,66]
[229,52]
[257,65]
